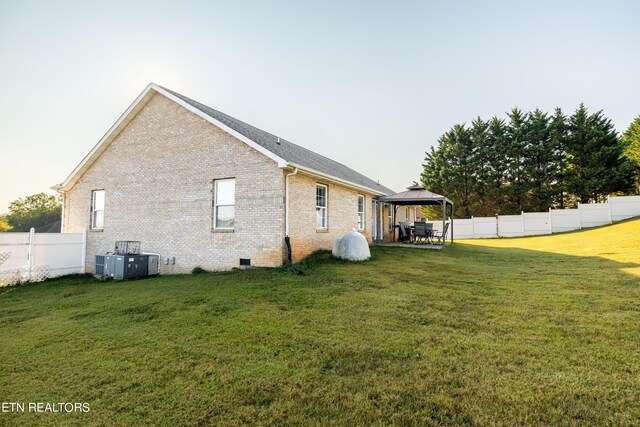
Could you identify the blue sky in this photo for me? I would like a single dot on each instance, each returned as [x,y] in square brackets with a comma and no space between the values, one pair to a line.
[370,84]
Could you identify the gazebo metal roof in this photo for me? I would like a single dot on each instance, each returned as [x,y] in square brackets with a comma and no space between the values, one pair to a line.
[416,195]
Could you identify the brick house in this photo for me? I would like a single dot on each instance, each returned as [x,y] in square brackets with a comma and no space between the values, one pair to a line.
[193,183]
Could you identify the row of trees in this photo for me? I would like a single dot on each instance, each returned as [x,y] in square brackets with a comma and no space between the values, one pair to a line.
[34,211]
[529,162]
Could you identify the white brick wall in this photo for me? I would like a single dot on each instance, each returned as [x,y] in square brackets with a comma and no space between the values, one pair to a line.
[157,175]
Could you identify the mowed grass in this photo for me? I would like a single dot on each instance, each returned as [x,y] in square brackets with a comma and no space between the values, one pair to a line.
[531,331]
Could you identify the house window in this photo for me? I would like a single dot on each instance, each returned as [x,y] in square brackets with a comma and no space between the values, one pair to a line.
[390,217]
[97,209]
[224,200]
[360,212]
[321,206]
[406,214]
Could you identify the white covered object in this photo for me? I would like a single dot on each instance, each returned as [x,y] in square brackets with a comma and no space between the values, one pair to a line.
[353,247]
[334,248]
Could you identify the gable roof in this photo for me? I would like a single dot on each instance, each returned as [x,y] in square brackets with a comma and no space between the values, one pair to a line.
[283,152]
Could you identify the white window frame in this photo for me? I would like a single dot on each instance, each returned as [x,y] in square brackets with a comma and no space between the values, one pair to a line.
[324,209]
[216,205]
[390,218]
[94,210]
[361,213]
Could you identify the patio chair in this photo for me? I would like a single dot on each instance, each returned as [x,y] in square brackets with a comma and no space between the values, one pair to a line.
[429,226]
[421,232]
[439,238]
[405,231]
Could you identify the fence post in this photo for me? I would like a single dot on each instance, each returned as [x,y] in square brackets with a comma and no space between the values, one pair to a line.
[473,229]
[522,217]
[550,225]
[579,217]
[609,205]
[84,250]
[497,225]
[30,253]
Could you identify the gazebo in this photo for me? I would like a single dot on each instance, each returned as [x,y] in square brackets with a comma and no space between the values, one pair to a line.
[416,195]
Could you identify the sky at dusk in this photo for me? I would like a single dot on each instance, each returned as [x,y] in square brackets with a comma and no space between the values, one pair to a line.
[370,84]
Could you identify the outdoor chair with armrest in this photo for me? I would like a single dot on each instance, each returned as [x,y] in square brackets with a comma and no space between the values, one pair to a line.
[421,232]
[439,238]
[405,231]
[429,226]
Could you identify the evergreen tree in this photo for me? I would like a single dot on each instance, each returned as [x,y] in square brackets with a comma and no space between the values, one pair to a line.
[448,170]
[495,155]
[539,163]
[481,176]
[530,162]
[558,139]
[516,183]
[595,155]
[489,151]
[631,142]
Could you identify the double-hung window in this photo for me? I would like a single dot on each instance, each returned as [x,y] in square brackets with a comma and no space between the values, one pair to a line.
[224,201]
[97,209]
[321,206]
[361,224]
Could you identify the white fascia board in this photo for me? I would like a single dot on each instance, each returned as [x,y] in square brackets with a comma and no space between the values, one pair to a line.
[279,160]
[332,178]
[102,144]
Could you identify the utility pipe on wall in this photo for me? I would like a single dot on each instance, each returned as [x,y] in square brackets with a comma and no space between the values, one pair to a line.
[286,202]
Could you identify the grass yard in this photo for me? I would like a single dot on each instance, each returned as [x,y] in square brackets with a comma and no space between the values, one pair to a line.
[531,331]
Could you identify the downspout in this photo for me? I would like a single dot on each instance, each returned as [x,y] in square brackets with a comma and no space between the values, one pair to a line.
[287,240]
[286,202]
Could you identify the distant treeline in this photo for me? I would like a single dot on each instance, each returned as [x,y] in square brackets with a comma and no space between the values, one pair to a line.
[529,162]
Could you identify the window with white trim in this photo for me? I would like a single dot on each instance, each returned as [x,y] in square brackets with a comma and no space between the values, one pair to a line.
[390,218]
[361,224]
[224,203]
[97,209]
[321,206]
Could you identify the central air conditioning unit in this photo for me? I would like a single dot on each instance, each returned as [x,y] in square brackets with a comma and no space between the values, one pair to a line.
[119,265]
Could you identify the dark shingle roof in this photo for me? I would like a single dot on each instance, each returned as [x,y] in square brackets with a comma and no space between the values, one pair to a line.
[288,150]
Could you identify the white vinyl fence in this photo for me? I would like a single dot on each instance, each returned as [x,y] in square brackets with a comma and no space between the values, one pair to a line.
[554,221]
[32,257]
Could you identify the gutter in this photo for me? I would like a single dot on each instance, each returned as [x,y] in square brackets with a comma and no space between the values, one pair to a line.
[338,180]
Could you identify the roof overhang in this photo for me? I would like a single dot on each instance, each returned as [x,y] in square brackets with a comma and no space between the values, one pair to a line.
[317,174]
[130,113]
[143,99]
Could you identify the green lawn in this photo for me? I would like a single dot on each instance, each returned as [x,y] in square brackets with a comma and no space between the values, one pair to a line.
[532,331]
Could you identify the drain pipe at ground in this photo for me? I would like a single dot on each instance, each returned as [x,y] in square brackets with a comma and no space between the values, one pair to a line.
[287,240]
